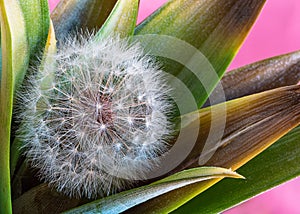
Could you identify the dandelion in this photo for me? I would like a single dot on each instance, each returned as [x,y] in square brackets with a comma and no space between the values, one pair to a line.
[98,119]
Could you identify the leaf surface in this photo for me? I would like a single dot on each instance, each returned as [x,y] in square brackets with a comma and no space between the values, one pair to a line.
[121,202]
[216,28]
[10,71]
[19,42]
[252,124]
[277,164]
[37,22]
[122,19]
[260,76]
[70,16]
[49,49]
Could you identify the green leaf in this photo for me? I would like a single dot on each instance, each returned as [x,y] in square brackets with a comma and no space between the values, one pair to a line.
[260,76]
[37,21]
[216,28]
[72,15]
[57,203]
[49,49]
[123,201]
[0,63]
[14,60]
[37,33]
[252,124]
[122,19]
[19,40]
[277,164]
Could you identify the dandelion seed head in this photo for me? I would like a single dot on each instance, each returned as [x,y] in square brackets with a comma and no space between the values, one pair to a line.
[97,118]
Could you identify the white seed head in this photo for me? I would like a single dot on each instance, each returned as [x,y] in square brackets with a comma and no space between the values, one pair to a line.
[97,119]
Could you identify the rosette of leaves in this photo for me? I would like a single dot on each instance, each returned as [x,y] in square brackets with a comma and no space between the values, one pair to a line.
[262,106]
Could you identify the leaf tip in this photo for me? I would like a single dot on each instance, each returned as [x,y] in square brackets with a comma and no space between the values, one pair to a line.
[233,174]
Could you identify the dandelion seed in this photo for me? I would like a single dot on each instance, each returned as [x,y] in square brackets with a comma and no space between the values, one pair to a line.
[102,127]
[99,106]
[129,120]
[101,123]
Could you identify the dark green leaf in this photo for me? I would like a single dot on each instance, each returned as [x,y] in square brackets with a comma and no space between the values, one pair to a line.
[37,21]
[277,164]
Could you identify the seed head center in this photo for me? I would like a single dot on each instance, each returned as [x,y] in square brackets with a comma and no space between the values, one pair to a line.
[104,113]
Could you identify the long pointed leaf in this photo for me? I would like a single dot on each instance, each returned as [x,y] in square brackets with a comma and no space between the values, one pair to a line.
[255,122]
[19,41]
[14,48]
[260,76]
[216,27]
[122,20]
[0,58]
[72,15]
[37,21]
[49,49]
[37,33]
[58,203]
[252,124]
[123,201]
[277,164]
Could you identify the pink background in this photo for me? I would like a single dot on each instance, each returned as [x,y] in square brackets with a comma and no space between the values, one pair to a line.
[277,31]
